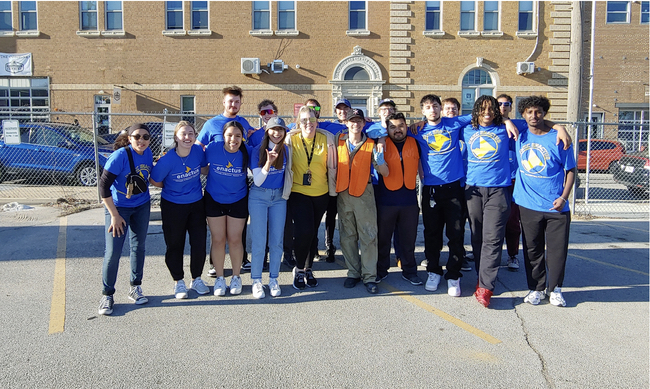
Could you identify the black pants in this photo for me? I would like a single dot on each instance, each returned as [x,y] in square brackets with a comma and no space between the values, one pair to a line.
[445,215]
[405,220]
[307,212]
[177,220]
[488,209]
[288,232]
[330,222]
[540,231]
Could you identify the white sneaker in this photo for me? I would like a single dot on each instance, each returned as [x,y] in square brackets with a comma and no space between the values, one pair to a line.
[432,282]
[274,287]
[180,291]
[235,285]
[534,297]
[212,273]
[453,288]
[220,287]
[556,297]
[199,286]
[258,289]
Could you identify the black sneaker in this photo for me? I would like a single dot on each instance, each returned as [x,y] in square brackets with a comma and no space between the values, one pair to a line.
[465,266]
[106,305]
[371,287]
[318,257]
[246,267]
[331,251]
[311,280]
[299,280]
[381,277]
[289,260]
[351,282]
[413,279]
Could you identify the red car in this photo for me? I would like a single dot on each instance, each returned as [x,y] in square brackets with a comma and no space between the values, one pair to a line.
[604,154]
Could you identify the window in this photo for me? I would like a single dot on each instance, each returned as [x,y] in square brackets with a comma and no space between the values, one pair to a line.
[5,16]
[114,16]
[645,12]
[467,15]
[28,18]
[491,16]
[477,82]
[286,15]
[356,73]
[28,98]
[635,136]
[432,15]
[261,15]
[357,15]
[187,107]
[88,11]
[174,14]
[199,15]
[525,16]
[618,12]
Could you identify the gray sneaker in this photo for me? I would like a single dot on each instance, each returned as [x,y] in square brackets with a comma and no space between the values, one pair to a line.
[106,305]
[135,294]
[180,290]
[199,286]
[513,263]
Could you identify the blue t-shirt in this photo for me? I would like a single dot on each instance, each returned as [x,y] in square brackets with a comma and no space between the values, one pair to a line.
[441,156]
[227,179]
[256,138]
[275,178]
[376,131]
[487,155]
[118,164]
[213,129]
[333,127]
[540,174]
[181,177]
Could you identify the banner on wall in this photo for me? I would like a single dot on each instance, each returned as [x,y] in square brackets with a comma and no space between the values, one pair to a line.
[15,64]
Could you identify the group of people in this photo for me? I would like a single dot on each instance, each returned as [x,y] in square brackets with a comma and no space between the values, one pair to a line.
[366,173]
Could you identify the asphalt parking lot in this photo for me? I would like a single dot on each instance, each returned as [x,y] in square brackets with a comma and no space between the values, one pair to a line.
[328,336]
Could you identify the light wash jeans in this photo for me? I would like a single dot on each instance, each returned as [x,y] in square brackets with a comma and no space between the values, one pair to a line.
[137,224]
[267,208]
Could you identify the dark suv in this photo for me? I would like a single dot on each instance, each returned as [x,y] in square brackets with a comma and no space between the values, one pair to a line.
[633,171]
[53,150]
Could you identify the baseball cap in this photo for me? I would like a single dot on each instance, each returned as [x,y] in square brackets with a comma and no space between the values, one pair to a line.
[356,113]
[387,101]
[343,101]
[276,122]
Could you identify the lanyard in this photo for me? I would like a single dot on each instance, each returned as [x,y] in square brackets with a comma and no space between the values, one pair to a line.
[309,156]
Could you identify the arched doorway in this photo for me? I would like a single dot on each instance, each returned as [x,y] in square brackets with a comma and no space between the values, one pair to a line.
[476,82]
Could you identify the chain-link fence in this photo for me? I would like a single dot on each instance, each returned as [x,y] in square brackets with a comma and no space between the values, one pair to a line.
[58,156]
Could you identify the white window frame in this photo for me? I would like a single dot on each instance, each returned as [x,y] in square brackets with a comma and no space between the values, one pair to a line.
[9,32]
[358,31]
[476,89]
[436,32]
[175,31]
[533,31]
[20,16]
[474,31]
[265,31]
[498,31]
[113,32]
[286,31]
[647,12]
[30,112]
[627,12]
[87,32]
[190,112]
[199,31]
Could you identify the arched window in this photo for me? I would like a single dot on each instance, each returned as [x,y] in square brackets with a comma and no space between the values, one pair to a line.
[477,82]
[356,73]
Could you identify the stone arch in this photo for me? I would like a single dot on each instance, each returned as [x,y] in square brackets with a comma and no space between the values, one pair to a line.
[369,89]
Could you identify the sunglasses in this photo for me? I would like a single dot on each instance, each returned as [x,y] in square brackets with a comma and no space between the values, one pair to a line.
[306,121]
[137,136]
[505,103]
[266,112]
[315,108]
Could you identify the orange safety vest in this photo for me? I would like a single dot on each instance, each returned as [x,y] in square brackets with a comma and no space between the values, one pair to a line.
[398,176]
[354,178]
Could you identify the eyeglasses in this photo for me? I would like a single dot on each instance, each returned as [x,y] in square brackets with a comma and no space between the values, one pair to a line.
[266,112]
[387,109]
[314,107]
[137,136]
[309,120]
[504,103]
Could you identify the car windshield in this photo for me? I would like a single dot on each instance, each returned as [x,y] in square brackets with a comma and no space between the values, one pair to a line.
[83,136]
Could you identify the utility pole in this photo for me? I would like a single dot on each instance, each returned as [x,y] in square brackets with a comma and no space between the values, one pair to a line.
[575,63]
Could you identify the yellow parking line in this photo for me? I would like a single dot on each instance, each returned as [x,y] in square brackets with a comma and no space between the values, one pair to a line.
[57,309]
[443,315]
[608,264]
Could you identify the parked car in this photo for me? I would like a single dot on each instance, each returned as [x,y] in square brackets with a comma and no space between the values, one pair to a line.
[633,171]
[604,154]
[156,130]
[59,151]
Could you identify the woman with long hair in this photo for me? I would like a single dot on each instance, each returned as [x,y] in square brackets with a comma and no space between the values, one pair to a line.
[124,190]
[313,171]
[226,203]
[178,173]
[267,204]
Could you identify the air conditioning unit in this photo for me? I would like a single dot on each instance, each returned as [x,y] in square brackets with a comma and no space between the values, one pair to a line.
[525,67]
[250,66]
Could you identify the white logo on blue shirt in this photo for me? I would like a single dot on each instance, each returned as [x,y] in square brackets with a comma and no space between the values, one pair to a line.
[533,158]
[484,145]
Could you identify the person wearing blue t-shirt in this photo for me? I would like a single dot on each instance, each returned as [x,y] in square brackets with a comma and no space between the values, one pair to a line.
[213,130]
[545,177]
[226,203]
[267,110]
[178,173]
[267,204]
[127,208]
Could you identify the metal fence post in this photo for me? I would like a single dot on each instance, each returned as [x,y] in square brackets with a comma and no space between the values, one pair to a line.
[96,145]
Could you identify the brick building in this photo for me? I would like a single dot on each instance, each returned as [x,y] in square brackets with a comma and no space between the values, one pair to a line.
[150,56]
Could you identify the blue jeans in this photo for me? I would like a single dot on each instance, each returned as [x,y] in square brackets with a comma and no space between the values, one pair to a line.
[267,208]
[137,224]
